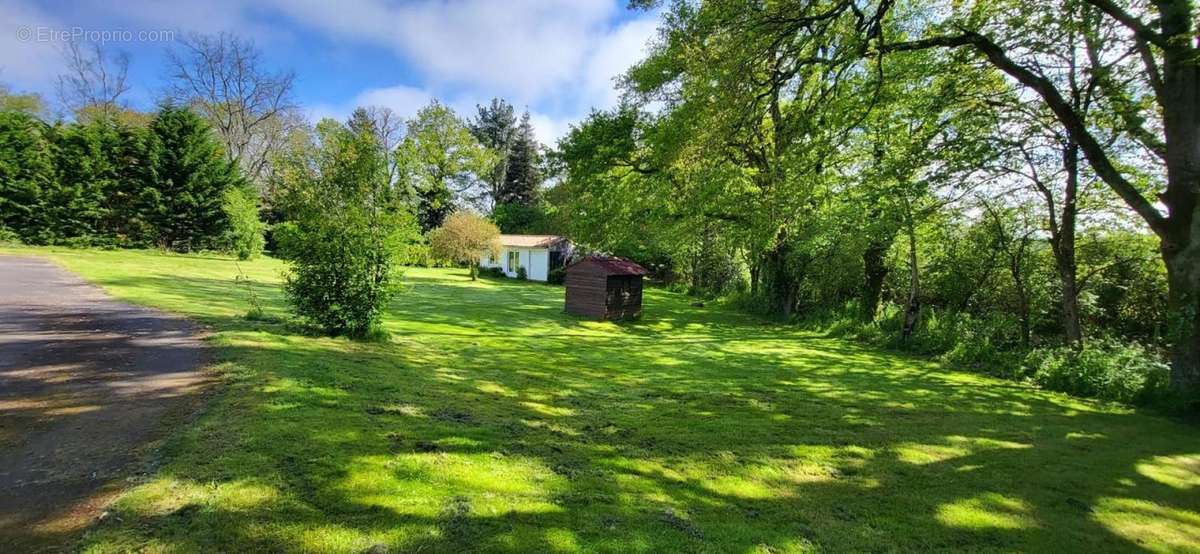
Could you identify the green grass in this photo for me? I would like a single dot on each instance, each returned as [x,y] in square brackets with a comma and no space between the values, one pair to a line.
[492,421]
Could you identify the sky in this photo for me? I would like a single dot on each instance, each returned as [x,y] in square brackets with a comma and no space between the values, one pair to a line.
[556,58]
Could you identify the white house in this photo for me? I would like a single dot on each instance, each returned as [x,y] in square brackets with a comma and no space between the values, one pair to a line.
[538,254]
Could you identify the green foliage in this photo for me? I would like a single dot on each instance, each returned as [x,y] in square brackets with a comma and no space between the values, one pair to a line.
[523,174]
[8,237]
[557,276]
[102,182]
[1103,368]
[26,172]
[494,272]
[191,178]
[244,236]
[532,219]
[27,103]
[344,233]
[463,238]
[522,274]
[438,159]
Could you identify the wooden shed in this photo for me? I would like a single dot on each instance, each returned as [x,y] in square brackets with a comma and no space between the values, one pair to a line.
[605,288]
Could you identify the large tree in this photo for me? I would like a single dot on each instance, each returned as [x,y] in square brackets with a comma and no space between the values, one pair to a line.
[495,126]
[190,181]
[523,175]
[441,163]
[249,106]
[1150,84]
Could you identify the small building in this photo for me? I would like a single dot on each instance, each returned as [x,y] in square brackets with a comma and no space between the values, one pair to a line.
[538,254]
[605,288]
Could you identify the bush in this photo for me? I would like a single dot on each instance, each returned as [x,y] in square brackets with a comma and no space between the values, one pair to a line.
[244,235]
[344,234]
[8,236]
[522,274]
[491,272]
[557,276]
[1102,368]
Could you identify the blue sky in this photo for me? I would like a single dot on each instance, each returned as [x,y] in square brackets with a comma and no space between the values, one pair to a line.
[555,57]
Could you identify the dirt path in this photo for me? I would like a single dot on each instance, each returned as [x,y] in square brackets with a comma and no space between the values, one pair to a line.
[86,384]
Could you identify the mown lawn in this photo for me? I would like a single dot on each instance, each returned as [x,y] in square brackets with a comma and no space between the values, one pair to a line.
[494,422]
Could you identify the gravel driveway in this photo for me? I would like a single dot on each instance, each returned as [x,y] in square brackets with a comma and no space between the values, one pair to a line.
[86,384]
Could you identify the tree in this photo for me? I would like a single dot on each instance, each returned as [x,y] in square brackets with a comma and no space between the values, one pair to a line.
[250,107]
[387,126]
[441,163]
[26,172]
[463,238]
[191,178]
[1148,92]
[244,235]
[104,192]
[495,127]
[343,232]
[94,82]
[523,175]
[29,103]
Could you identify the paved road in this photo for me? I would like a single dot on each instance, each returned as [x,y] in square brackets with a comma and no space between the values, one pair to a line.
[86,384]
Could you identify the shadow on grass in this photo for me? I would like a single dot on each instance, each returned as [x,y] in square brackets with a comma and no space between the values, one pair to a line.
[493,421]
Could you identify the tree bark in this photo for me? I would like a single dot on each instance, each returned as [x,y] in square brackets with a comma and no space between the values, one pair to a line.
[875,271]
[912,311]
[1062,245]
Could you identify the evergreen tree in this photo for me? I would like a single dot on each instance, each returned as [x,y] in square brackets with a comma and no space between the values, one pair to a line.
[524,175]
[26,171]
[191,177]
[99,196]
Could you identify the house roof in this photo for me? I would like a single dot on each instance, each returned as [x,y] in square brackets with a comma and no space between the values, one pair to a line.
[610,265]
[531,241]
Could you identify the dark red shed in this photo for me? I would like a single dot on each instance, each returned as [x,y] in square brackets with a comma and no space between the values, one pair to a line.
[605,288]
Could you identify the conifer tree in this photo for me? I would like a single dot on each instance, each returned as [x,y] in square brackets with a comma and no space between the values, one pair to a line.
[190,178]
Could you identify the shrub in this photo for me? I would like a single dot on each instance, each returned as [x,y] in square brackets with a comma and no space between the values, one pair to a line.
[344,235]
[1102,368]
[8,236]
[557,276]
[244,235]
[522,274]
[491,272]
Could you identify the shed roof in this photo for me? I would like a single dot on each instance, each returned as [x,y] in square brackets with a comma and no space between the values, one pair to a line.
[531,241]
[609,265]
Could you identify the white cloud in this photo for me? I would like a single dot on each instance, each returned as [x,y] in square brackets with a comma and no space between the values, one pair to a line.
[549,129]
[521,49]
[559,58]
[620,49]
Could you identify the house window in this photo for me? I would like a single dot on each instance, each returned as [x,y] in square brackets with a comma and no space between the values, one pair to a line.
[514,261]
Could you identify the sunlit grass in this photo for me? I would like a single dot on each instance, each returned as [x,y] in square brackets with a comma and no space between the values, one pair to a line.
[494,421]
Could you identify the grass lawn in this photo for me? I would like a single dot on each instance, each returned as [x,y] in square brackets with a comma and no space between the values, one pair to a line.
[493,421]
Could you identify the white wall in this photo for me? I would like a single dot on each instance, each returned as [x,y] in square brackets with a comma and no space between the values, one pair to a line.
[536,262]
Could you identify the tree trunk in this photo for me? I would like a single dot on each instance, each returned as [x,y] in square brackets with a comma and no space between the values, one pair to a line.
[1022,302]
[1183,325]
[875,271]
[912,311]
[1062,245]
[1180,100]
[473,270]
[755,269]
